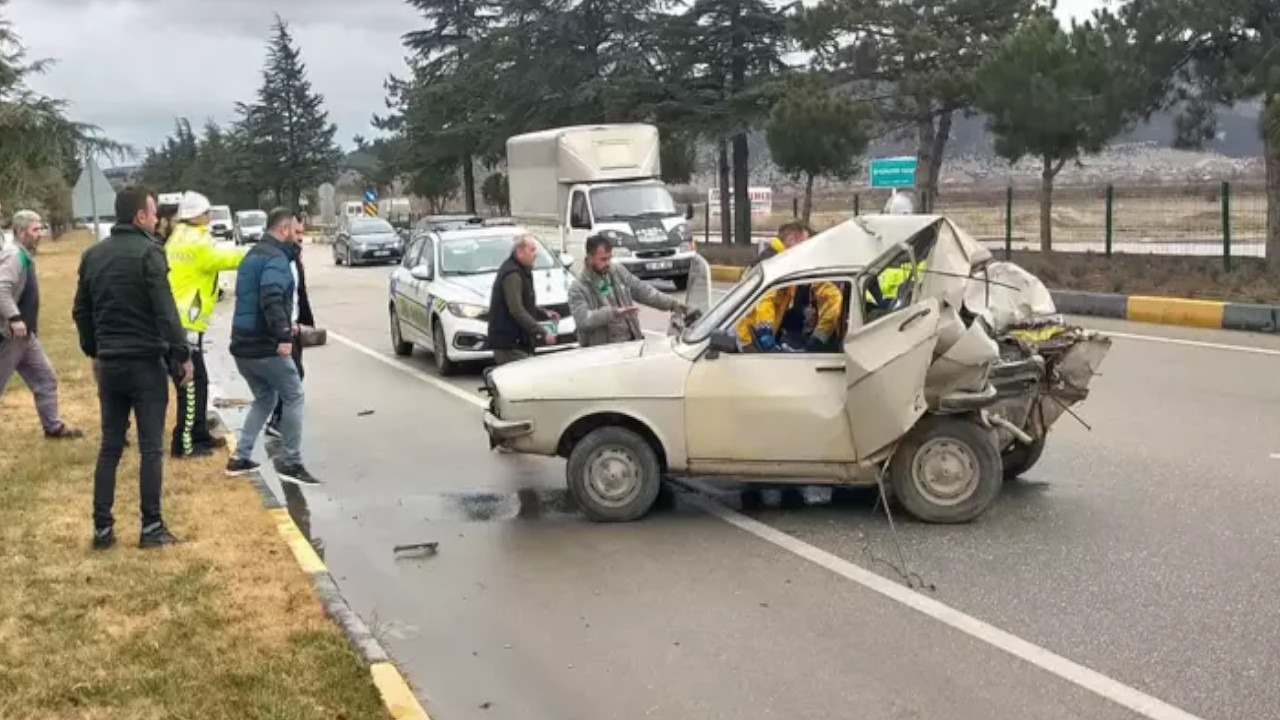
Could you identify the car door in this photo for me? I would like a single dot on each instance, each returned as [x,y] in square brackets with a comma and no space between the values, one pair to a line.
[756,410]
[697,294]
[886,360]
[414,313]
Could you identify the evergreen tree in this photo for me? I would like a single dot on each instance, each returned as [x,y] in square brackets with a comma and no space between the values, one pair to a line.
[292,144]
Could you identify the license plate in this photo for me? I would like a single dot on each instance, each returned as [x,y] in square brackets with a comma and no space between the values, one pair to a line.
[381,253]
[664,265]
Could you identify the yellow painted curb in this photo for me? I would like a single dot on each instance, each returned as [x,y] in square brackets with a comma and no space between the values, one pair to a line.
[396,695]
[726,273]
[306,555]
[1176,311]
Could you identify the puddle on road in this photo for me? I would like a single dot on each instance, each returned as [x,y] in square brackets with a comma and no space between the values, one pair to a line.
[524,504]
[296,504]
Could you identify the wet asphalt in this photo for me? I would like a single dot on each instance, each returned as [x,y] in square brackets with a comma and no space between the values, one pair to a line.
[1145,549]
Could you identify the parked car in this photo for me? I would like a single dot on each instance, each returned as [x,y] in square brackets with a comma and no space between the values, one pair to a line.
[250,225]
[367,240]
[220,222]
[439,296]
[939,393]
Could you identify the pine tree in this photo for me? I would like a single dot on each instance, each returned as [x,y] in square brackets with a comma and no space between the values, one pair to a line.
[292,146]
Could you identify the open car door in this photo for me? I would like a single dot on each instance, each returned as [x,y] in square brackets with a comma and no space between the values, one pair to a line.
[697,294]
[887,358]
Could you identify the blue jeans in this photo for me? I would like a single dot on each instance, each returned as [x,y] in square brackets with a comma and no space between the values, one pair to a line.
[272,379]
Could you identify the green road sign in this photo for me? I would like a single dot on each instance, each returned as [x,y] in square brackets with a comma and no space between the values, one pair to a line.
[893,172]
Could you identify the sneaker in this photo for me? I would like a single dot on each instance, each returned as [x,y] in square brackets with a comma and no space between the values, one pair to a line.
[239,466]
[197,451]
[158,536]
[273,430]
[64,432]
[103,538]
[296,474]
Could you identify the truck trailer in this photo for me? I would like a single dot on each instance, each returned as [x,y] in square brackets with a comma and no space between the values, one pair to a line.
[567,184]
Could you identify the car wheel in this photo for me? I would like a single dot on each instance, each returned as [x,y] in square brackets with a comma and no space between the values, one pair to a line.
[681,282]
[401,348]
[946,471]
[1020,458]
[440,351]
[613,475]
[336,259]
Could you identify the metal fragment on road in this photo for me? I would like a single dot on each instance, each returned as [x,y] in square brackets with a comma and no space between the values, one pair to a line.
[364,413]
[416,549]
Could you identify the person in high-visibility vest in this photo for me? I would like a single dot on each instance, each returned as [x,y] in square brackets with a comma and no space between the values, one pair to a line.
[194,263]
[888,282]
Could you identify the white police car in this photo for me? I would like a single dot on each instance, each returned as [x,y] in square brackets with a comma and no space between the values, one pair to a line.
[440,291]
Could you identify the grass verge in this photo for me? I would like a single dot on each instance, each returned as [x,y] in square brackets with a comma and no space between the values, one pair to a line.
[225,626]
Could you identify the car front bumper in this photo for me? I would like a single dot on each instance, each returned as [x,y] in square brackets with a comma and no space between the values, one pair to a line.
[380,254]
[467,339]
[503,432]
[220,231]
[669,266]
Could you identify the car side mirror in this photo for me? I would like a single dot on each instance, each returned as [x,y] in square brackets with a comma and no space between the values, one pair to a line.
[688,211]
[421,272]
[566,259]
[722,341]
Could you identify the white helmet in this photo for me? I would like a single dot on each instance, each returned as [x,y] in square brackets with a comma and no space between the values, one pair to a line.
[192,205]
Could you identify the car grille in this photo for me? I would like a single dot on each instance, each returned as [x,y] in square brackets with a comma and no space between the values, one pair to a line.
[562,309]
[651,254]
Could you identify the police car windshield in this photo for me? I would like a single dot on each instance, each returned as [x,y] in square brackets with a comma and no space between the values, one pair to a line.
[478,255]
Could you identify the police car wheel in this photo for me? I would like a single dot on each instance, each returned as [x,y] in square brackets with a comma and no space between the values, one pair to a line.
[440,351]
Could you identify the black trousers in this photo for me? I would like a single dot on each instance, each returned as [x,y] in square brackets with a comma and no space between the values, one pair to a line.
[297,362]
[191,426]
[139,386]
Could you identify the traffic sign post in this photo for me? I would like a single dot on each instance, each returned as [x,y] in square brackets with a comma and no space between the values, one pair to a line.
[370,202]
[894,172]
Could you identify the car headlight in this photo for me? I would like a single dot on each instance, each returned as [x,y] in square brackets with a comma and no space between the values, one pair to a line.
[618,239]
[684,231]
[470,312]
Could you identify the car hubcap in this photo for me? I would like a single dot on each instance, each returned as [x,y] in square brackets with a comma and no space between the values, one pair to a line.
[945,471]
[613,477]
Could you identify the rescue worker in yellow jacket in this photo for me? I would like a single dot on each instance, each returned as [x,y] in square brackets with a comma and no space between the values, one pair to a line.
[779,320]
[194,263]
[890,279]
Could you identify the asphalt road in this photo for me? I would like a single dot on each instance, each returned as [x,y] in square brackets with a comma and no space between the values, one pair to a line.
[1144,551]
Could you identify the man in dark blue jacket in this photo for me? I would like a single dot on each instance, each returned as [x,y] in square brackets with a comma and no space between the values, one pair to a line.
[262,340]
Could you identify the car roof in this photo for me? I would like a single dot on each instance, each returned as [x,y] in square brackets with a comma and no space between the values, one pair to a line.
[510,231]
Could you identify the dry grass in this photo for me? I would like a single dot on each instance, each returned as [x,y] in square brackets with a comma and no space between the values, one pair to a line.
[1148,214]
[225,626]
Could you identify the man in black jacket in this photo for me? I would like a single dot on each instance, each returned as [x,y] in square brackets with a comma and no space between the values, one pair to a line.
[129,325]
[514,315]
[262,343]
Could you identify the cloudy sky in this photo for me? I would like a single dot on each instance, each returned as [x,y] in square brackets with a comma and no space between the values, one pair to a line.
[132,66]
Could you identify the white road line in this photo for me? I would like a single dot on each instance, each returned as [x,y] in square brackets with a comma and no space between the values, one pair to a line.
[1275,456]
[1192,343]
[412,372]
[1074,673]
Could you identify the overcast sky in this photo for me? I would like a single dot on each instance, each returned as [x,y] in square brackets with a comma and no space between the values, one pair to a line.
[132,66]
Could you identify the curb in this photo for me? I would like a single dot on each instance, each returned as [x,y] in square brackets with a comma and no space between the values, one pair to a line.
[397,697]
[1211,314]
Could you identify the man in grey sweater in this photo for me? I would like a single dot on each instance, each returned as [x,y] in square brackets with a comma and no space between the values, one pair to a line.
[20,349]
[604,298]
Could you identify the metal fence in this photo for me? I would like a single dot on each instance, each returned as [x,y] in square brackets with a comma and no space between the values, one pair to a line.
[1212,219]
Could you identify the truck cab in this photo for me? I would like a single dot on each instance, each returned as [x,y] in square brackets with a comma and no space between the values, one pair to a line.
[568,184]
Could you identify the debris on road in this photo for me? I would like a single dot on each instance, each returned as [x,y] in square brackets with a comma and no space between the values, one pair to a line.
[416,550]
[364,413]
[231,402]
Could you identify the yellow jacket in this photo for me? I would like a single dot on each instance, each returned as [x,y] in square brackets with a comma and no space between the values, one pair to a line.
[194,264]
[830,302]
[766,316]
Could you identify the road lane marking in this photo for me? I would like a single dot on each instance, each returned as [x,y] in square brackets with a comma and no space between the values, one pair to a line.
[1191,343]
[412,371]
[1074,673]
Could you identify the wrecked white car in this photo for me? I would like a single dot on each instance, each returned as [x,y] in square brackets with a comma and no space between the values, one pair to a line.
[940,393]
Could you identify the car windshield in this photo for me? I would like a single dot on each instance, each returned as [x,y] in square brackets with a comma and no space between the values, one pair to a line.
[219,213]
[460,222]
[719,312]
[480,254]
[371,226]
[625,202]
[253,219]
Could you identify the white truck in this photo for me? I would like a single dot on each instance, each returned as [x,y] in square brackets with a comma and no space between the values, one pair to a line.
[570,183]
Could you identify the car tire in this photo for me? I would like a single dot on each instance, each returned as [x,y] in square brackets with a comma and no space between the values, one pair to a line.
[681,282]
[440,351]
[398,344]
[1020,458]
[921,470]
[336,259]
[598,470]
